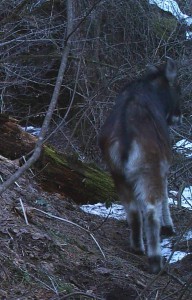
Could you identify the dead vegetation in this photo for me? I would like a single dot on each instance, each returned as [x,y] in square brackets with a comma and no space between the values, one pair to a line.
[51,258]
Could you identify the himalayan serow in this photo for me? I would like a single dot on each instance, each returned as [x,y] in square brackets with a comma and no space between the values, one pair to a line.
[135,144]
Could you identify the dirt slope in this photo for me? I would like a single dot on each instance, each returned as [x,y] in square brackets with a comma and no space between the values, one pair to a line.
[51,259]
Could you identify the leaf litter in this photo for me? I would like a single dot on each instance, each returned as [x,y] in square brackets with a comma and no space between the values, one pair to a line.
[47,258]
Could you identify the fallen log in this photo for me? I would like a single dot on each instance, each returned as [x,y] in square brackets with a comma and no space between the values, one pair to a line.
[57,172]
[14,141]
[81,181]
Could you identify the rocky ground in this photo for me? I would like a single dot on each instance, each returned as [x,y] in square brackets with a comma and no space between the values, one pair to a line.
[64,253]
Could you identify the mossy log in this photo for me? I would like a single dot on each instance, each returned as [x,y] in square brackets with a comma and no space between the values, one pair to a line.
[84,183]
[56,171]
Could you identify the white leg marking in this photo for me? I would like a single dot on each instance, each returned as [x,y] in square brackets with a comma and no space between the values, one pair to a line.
[114,155]
[152,229]
[131,167]
[166,215]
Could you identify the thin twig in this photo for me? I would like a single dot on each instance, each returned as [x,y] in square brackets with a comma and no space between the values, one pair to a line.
[176,278]
[24,213]
[17,184]
[157,295]
[24,159]
[40,281]
[185,288]
[72,223]
[83,19]
[53,284]
[79,294]
[103,221]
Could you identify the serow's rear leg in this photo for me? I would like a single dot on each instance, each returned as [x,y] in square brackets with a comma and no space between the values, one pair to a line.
[167,223]
[134,219]
[152,230]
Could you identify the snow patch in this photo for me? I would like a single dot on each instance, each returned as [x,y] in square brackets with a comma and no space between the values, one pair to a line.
[33,130]
[166,250]
[184,146]
[116,211]
[172,7]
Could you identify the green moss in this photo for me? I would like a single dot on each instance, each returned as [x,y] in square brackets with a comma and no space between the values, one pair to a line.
[164,27]
[81,181]
[50,153]
[97,178]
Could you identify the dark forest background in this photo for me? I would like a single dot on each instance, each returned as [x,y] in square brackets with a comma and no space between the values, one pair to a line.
[112,44]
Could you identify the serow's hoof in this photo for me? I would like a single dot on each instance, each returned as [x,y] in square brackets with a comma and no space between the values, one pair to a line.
[155,264]
[167,230]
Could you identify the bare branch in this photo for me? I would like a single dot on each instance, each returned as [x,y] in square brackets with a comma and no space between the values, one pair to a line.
[52,104]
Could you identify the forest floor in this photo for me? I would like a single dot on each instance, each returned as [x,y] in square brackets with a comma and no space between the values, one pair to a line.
[53,259]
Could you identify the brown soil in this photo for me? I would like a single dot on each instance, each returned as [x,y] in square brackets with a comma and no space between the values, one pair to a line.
[52,259]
